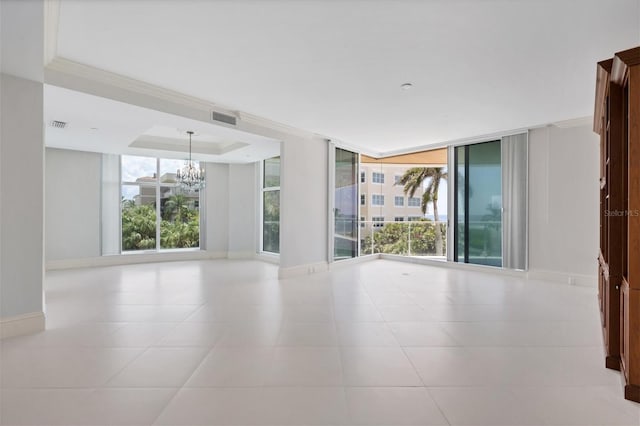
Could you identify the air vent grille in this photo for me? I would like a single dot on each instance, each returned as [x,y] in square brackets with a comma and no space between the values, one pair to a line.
[223,118]
[58,124]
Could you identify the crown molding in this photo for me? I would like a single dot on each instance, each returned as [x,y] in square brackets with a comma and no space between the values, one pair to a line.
[51,23]
[77,76]
[75,69]
[277,129]
[455,142]
[574,122]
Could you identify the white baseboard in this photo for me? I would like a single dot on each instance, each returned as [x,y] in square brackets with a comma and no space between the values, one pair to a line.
[564,278]
[307,269]
[354,260]
[268,257]
[455,265]
[311,268]
[241,255]
[217,254]
[133,258]
[532,274]
[22,324]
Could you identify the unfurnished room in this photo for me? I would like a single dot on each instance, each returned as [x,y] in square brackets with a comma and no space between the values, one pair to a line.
[319,212]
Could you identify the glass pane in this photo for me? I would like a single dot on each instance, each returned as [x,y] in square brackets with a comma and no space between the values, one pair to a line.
[271,224]
[485,204]
[422,238]
[460,203]
[180,218]
[366,237]
[169,169]
[272,172]
[139,169]
[410,187]
[138,217]
[346,204]
[392,238]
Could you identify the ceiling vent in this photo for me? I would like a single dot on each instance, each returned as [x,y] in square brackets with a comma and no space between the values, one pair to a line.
[58,124]
[223,118]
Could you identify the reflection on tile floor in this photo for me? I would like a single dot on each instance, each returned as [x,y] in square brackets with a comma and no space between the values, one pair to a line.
[383,342]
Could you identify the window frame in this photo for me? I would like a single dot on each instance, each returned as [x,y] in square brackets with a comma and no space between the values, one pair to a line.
[377,221]
[419,202]
[264,189]
[373,197]
[158,184]
[381,179]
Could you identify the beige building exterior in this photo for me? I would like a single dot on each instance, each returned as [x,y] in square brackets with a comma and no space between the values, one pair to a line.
[168,187]
[382,197]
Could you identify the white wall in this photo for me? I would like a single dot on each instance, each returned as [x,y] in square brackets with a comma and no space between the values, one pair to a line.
[22,168]
[303,202]
[22,37]
[72,200]
[563,203]
[242,211]
[217,208]
[73,208]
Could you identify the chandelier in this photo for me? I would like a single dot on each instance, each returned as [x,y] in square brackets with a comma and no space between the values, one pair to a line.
[190,177]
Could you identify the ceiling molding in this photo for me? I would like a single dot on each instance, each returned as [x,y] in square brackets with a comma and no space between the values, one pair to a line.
[51,22]
[87,79]
[574,122]
[297,94]
[179,145]
[282,131]
[87,72]
[464,141]
[84,78]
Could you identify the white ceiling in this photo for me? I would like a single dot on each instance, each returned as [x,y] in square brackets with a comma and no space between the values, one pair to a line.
[335,67]
[103,125]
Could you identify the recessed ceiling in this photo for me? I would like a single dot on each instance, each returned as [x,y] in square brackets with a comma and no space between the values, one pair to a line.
[97,124]
[336,67]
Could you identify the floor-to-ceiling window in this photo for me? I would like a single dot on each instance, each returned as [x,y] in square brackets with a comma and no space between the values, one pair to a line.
[406,209]
[271,205]
[345,208]
[490,203]
[402,203]
[156,213]
[479,203]
[460,204]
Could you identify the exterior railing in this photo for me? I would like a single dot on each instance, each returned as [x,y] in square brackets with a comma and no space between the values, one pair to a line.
[411,238]
[423,238]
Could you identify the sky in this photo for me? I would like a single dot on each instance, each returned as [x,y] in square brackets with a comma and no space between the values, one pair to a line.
[134,167]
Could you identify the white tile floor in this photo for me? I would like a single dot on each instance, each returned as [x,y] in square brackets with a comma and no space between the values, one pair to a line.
[383,342]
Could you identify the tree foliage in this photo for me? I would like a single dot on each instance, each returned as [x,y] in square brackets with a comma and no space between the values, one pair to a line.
[179,228]
[404,238]
[138,226]
[413,179]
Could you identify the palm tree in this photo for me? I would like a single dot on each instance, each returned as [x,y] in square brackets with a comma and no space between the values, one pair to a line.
[413,179]
[176,207]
